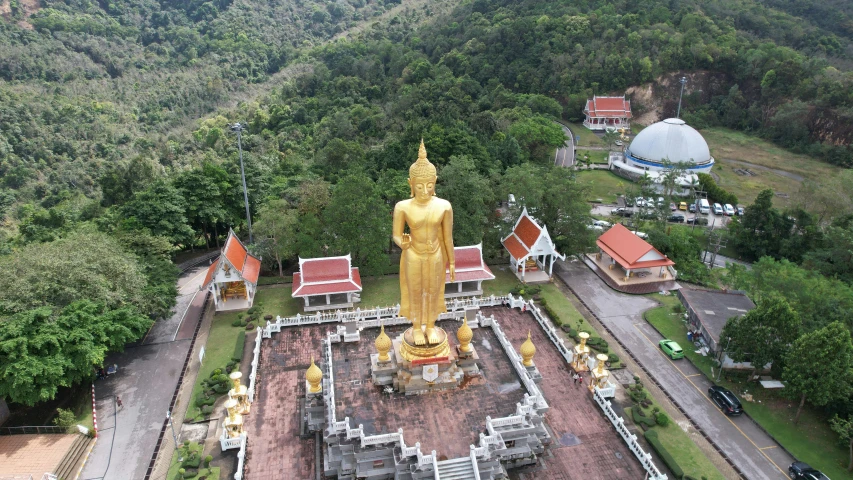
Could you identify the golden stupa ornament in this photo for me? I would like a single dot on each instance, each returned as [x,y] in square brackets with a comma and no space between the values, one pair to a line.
[527,351]
[314,376]
[383,345]
[464,335]
[427,248]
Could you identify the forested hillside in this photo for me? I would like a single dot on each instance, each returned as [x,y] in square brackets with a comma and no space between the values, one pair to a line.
[114,117]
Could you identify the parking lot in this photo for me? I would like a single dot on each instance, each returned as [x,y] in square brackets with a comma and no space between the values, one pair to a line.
[714,221]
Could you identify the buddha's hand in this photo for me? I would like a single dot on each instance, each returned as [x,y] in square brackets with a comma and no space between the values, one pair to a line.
[452,272]
[405,241]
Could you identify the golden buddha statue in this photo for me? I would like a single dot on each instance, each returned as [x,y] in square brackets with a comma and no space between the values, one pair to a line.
[427,250]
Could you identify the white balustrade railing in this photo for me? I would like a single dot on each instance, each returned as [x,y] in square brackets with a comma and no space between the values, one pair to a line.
[503,422]
[520,369]
[551,332]
[630,439]
[241,457]
[227,443]
[255,359]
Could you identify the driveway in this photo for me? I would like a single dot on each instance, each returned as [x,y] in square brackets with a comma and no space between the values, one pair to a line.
[145,381]
[754,452]
[565,156]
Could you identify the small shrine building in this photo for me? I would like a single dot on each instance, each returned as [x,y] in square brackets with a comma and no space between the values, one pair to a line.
[531,250]
[471,270]
[233,277]
[634,255]
[327,283]
[607,112]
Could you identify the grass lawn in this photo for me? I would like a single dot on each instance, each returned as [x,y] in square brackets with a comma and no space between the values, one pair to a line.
[380,291]
[504,280]
[728,144]
[592,156]
[603,184]
[587,138]
[812,441]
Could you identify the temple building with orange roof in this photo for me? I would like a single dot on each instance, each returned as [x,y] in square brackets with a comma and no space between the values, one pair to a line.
[471,270]
[531,250]
[233,277]
[607,112]
[327,283]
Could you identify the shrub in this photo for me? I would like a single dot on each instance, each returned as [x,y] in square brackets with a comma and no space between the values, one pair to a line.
[640,418]
[238,347]
[207,409]
[678,308]
[207,461]
[652,438]
[220,388]
[268,317]
[662,419]
[237,323]
[612,358]
[250,326]
[64,418]
[251,310]
[573,333]
[247,319]
[190,473]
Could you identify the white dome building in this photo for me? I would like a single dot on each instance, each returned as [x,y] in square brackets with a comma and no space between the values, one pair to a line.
[671,141]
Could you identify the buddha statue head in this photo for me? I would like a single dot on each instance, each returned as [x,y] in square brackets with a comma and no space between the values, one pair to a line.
[422,176]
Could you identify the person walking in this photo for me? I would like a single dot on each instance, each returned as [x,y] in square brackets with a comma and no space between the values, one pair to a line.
[118,402]
[575,378]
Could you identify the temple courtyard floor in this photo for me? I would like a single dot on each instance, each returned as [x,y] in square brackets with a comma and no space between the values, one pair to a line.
[584,444]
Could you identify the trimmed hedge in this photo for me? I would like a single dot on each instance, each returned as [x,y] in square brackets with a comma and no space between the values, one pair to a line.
[639,419]
[238,347]
[715,192]
[654,441]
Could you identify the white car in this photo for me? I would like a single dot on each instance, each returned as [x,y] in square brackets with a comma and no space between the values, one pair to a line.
[597,228]
[602,223]
[718,209]
[642,235]
[640,202]
[728,209]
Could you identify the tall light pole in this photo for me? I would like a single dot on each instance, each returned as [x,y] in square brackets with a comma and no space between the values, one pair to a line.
[238,128]
[174,437]
[683,81]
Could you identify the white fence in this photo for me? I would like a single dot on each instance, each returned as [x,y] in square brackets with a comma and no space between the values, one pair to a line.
[255,358]
[630,439]
[241,457]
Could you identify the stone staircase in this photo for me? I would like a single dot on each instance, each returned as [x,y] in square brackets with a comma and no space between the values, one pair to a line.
[456,469]
[70,464]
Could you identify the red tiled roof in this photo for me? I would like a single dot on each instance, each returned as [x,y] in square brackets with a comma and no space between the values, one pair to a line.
[319,276]
[527,231]
[515,247]
[235,252]
[608,107]
[470,265]
[209,276]
[251,269]
[325,269]
[627,248]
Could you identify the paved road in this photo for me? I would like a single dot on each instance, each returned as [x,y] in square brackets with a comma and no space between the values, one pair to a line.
[752,450]
[565,156]
[145,381]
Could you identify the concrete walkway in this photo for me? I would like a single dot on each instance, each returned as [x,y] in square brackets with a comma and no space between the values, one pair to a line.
[145,381]
[753,451]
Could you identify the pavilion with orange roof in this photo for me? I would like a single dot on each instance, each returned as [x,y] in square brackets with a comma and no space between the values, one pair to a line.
[531,250]
[636,256]
[233,277]
[327,283]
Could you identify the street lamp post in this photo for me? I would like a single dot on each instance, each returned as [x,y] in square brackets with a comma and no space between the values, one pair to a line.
[682,81]
[238,128]
[174,437]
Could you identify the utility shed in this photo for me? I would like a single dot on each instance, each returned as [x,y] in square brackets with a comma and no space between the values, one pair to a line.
[709,310]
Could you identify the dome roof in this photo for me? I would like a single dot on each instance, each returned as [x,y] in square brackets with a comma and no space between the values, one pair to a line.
[672,140]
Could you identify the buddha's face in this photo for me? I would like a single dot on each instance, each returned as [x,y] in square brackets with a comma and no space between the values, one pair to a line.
[422,188]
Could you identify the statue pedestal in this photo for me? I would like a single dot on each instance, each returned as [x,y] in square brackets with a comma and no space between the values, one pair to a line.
[383,373]
[425,374]
[467,361]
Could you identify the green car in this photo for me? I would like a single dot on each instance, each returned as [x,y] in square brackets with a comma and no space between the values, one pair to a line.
[671,349]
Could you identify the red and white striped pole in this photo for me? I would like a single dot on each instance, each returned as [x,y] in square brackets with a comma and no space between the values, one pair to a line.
[94,411]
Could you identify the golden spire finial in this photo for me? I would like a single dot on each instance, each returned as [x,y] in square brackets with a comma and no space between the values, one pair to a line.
[527,351]
[314,376]
[464,335]
[383,345]
[422,168]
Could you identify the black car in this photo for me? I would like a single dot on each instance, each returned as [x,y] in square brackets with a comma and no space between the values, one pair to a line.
[622,212]
[803,470]
[691,208]
[678,218]
[726,400]
[697,220]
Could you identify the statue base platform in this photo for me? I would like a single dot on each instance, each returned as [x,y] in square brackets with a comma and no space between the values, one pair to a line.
[383,373]
[467,361]
[424,369]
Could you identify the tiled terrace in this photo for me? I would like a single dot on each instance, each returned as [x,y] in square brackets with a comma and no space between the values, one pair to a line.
[585,445]
[635,285]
